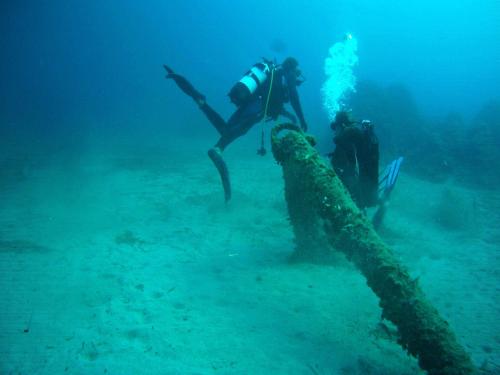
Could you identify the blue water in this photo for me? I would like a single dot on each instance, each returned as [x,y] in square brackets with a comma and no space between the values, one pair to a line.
[113,220]
[64,58]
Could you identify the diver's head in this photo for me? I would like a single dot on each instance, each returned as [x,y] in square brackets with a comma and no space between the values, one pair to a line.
[342,120]
[291,65]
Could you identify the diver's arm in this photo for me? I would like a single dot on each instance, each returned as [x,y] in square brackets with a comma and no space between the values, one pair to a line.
[294,99]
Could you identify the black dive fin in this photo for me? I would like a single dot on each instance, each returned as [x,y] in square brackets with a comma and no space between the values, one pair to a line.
[223,172]
[169,71]
[185,85]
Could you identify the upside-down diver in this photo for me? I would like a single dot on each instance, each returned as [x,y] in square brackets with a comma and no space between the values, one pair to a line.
[259,96]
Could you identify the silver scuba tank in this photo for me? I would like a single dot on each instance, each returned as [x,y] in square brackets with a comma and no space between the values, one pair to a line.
[243,90]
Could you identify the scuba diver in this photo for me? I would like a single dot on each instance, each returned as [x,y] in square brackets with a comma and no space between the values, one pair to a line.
[259,96]
[356,161]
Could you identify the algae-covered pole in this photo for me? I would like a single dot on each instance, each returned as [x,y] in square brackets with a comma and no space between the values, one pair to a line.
[311,185]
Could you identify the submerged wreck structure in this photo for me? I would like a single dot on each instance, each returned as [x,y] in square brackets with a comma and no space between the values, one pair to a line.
[316,197]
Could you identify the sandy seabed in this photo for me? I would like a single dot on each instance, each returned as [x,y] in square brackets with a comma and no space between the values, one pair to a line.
[127,261]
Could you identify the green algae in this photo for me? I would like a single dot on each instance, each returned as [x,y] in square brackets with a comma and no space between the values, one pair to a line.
[316,196]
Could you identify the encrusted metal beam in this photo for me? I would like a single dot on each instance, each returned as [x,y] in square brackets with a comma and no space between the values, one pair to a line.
[316,197]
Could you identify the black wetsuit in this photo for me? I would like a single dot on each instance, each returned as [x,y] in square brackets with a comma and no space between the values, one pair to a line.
[284,89]
[238,124]
[355,160]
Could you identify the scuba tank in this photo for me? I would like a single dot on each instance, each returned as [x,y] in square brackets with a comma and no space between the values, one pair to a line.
[244,89]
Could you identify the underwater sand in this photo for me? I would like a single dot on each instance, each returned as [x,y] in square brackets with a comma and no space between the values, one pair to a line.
[127,261]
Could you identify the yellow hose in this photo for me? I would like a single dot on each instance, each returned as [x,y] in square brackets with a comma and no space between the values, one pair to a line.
[269,94]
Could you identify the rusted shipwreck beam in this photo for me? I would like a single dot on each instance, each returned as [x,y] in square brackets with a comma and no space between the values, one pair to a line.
[315,195]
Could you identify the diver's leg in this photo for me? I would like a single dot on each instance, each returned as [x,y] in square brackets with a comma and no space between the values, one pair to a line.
[240,122]
[368,159]
[378,216]
[215,154]
[215,119]
[185,85]
[347,170]
[237,130]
